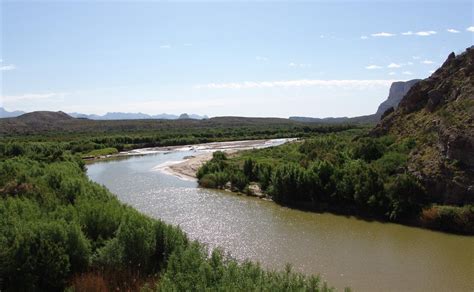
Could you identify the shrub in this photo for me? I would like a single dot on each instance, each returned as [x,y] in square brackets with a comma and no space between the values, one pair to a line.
[449,218]
[407,197]
[368,149]
[39,257]
[137,240]
[239,180]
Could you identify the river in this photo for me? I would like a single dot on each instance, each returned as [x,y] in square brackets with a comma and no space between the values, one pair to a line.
[345,251]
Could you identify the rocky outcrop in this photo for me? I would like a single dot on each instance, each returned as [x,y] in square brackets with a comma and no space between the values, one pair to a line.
[255,190]
[397,91]
[438,112]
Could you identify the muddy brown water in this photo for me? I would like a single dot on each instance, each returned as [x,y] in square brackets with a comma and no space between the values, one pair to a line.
[345,251]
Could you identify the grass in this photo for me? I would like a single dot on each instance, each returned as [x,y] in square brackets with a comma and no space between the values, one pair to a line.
[101,152]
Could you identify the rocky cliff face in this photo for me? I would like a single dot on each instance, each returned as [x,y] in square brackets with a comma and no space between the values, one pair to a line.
[397,91]
[438,113]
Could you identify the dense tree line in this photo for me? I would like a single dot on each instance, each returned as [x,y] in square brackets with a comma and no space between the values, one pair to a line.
[344,172]
[91,144]
[86,143]
[58,229]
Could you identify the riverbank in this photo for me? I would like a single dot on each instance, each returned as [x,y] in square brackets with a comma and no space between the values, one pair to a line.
[186,169]
[199,149]
[313,243]
[349,186]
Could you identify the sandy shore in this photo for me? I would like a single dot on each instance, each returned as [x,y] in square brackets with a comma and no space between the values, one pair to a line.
[187,168]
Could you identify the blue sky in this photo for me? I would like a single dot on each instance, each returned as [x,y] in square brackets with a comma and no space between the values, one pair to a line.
[222,58]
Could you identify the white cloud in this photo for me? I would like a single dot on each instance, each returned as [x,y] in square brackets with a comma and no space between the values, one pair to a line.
[7,67]
[187,45]
[372,67]
[427,62]
[471,29]
[419,33]
[452,30]
[383,34]
[322,36]
[426,33]
[431,71]
[358,84]
[299,65]
[407,73]
[165,47]
[416,57]
[392,73]
[409,63]
[34,96]
[364,37]
[394,65]
[260,58]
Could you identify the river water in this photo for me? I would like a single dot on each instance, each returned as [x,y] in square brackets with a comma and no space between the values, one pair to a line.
[345,251]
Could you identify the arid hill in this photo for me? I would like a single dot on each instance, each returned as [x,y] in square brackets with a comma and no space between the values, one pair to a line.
[438,112]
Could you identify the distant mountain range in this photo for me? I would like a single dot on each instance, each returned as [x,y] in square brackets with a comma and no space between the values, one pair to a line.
[6,114]
[114,116]
[137,116]
[397,91]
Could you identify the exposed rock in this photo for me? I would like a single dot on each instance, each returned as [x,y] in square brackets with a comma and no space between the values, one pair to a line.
[255,190]
[460,148]
[434,99]
[387,112]
[397,91]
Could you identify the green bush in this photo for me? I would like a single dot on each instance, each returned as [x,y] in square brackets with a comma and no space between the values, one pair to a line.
[450,218]
[368,149]
[137,239]
[407,197]
[42,255]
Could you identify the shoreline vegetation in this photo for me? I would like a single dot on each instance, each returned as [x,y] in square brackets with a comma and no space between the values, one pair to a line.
[343,173]
[59,230]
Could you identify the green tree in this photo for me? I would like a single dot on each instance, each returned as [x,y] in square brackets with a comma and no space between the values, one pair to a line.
[407,197]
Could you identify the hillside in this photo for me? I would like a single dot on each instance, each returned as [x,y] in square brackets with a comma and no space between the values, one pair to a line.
[35,122]
[44,117]
[397,91]
[368,119]
[438,113]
